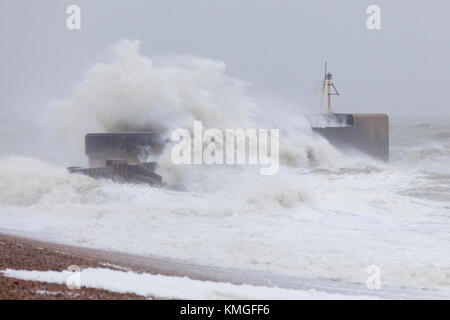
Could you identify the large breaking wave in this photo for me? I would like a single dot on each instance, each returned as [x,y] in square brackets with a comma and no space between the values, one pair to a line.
[325,214]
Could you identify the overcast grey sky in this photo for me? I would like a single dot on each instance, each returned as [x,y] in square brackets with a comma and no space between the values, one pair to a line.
[279,46]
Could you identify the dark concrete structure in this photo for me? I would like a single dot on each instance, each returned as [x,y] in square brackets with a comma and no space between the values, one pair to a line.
[121,157]
[129,146]
[120,171]
[368,133]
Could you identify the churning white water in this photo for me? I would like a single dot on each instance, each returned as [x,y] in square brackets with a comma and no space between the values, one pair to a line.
[324,215]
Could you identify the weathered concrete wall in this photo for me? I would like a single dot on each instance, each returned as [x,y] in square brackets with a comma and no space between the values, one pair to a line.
[120,171]
[368,133]
[127,146]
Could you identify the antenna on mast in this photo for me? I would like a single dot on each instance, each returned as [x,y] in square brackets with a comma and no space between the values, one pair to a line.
[328,84]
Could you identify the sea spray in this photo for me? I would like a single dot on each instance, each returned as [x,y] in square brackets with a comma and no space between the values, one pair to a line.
[324,215]
[135,93]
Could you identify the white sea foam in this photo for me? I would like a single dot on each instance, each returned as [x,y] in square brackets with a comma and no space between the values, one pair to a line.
[324,215]
[159,286]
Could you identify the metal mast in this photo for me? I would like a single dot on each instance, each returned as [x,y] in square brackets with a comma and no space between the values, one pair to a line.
[327,82]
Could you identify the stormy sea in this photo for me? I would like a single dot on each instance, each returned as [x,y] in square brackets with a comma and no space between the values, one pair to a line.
[327,214]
